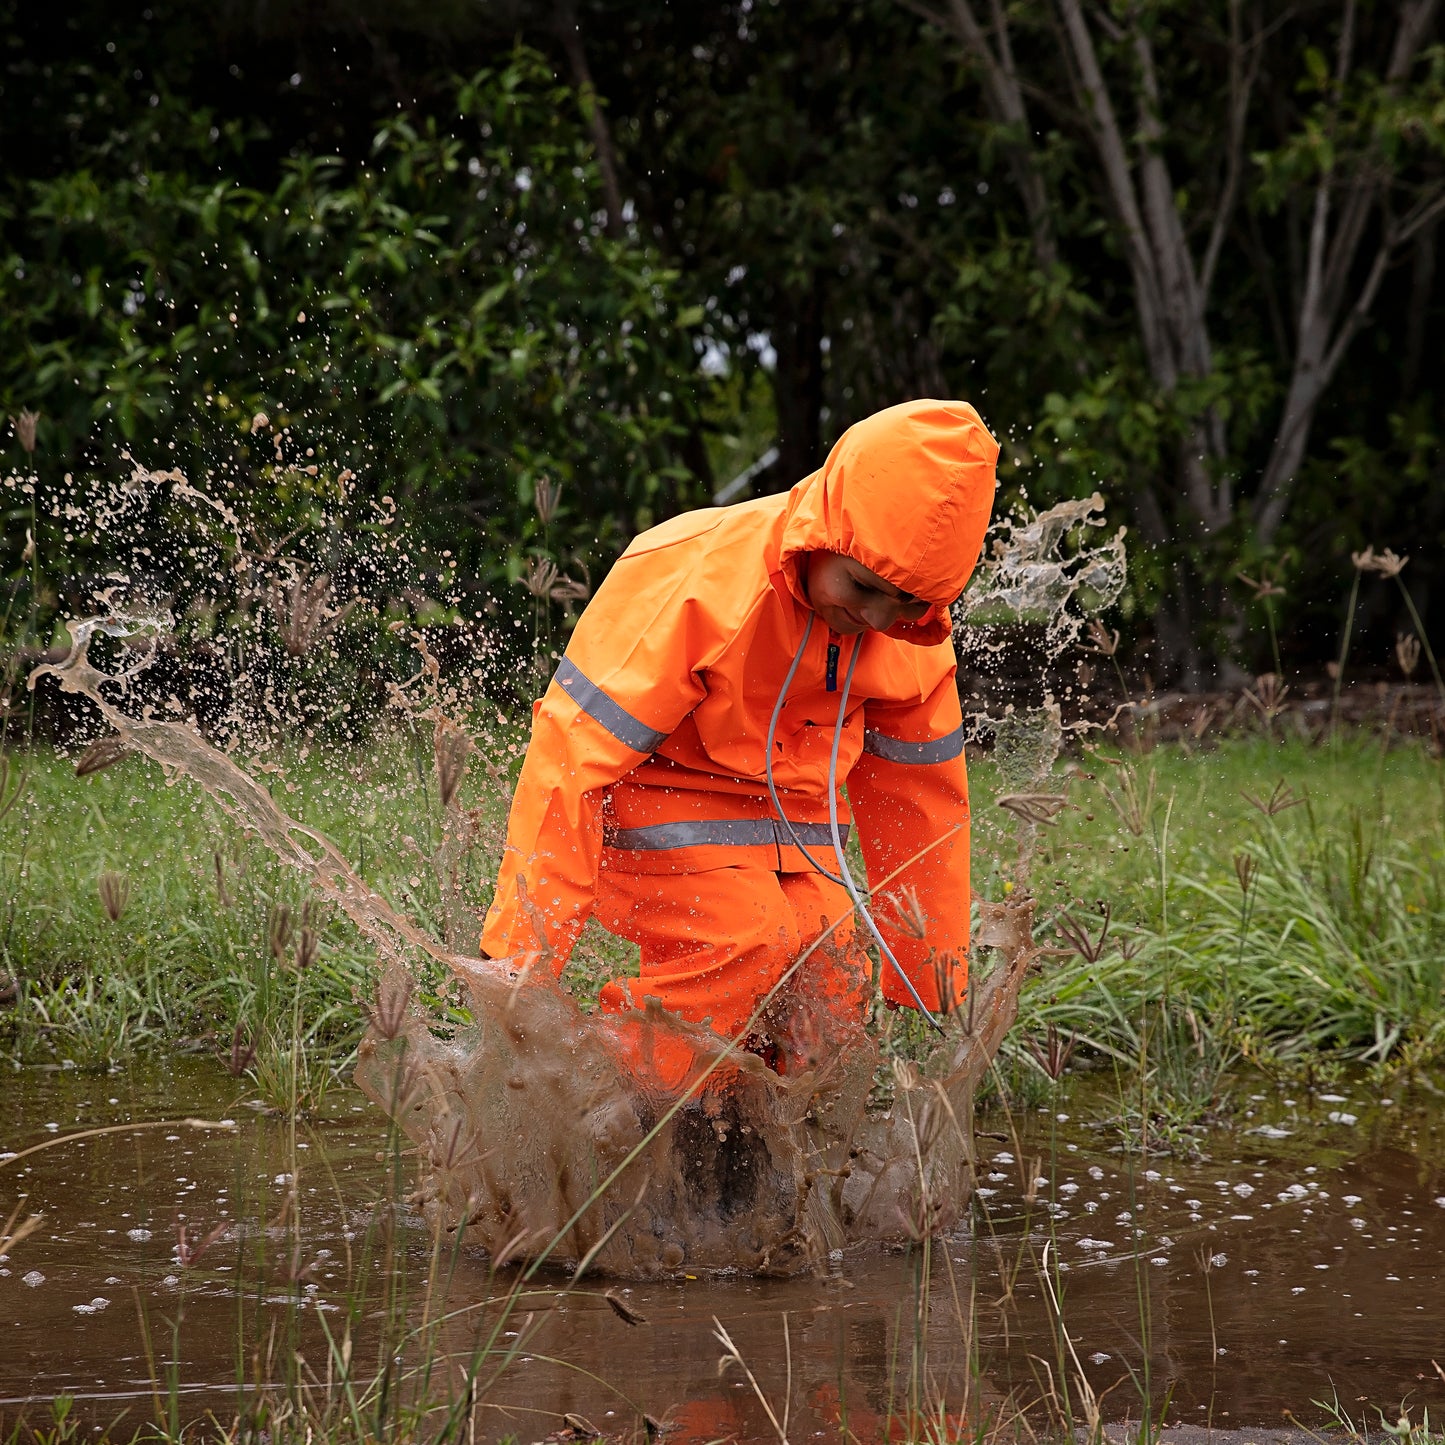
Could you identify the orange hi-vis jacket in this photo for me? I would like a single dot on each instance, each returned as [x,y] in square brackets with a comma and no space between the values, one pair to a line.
[647,750]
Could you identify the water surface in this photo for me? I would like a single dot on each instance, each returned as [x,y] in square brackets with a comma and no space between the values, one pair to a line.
[1316,1234]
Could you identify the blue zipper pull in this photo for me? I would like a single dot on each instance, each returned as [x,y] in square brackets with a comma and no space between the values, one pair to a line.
[830,675]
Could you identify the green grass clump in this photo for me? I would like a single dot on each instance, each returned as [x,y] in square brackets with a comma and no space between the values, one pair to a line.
[138,915]
[1270,904]
[1263,903]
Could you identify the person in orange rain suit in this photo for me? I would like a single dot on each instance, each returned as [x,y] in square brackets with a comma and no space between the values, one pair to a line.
[645,796]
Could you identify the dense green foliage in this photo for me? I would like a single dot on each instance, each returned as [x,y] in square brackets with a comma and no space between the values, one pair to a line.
[444,317]
[631,257]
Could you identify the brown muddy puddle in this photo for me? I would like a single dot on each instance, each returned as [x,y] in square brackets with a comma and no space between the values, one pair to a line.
[1317,1233]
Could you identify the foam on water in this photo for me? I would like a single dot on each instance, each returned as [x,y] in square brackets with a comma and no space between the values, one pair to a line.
[530,1136]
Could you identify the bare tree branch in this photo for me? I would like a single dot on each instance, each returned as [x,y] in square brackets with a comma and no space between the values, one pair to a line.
[1242,79]
[1324,334]
[1004,101]
[1104,128]
[570,36]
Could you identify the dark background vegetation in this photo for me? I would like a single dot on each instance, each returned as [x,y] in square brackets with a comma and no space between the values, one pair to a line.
[1183,253]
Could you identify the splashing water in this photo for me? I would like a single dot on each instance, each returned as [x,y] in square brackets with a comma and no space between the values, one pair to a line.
[531,1138]
[1042,572]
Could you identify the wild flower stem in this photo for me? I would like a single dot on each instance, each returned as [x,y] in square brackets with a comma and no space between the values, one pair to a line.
[1344,651]
[1421,634]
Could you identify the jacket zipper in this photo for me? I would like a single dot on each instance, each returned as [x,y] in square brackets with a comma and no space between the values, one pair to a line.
[830,675]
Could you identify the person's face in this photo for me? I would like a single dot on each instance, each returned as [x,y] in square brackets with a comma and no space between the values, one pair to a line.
[852,599]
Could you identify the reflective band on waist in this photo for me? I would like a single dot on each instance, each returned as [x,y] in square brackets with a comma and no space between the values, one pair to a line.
[894,750]
[715,832]
[601,709]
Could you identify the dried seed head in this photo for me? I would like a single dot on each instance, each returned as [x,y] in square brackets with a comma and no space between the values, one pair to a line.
[1268,695]
[102,753]
[1245,868]
[308,944]
[1078,937]
[541,574]
[1034,807]
[114,889]
[302,610]
[1407,652]
[25,430]
[186,1252]
[393,998]
[546,497]
[451,747]
[544,580]
[241,1055]
[908,912]
[1053,1057]
[1264,587]
[570,589]
[1386,563]
[279,929]
[623,1310]
[1281,798]
[223,894]
[1106,643]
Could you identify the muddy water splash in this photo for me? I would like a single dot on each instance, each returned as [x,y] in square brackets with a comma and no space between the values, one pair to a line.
[531,1138]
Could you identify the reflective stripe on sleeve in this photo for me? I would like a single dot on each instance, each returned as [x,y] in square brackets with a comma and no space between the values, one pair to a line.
[723,832]
[602,709]
[894,750]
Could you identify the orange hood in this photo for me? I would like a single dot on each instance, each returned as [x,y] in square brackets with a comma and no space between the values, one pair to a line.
[907,493]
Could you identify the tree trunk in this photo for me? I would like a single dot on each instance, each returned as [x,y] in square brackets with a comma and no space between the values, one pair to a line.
[1422,286]
[570,36]
[1328,318]
[1003,98]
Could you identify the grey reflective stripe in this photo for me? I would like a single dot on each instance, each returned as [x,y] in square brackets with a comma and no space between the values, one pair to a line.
[719,832]
[938,750]
[601,709]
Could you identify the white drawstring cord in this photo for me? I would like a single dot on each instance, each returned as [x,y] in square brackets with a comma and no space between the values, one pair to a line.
[848,882]
[768,760]
[846,878]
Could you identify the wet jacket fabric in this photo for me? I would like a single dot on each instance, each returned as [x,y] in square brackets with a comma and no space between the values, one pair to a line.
[647,750]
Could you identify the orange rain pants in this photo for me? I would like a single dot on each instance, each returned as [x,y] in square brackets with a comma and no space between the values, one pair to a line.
[715,943]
